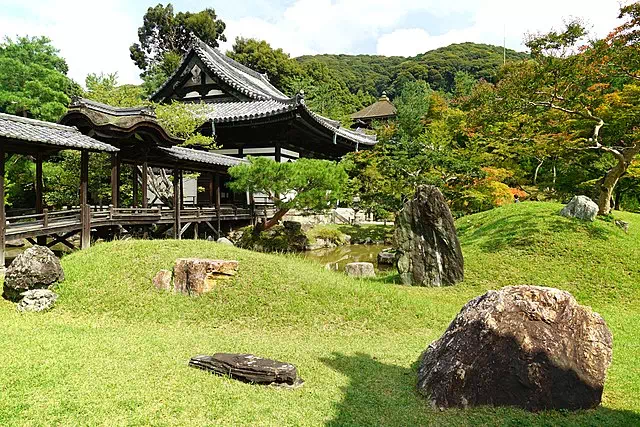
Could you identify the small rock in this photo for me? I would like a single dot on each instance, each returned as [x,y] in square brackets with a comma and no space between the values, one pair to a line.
[37,300]
[162,280]
[360,269]
[35,268]
[225,241]
[196,276]
[249,368]
[387,257]
[18,243]
[581,207]
[624,225]
[527,346]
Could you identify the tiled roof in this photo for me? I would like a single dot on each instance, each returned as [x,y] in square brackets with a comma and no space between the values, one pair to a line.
[334,126]
[78,102]
[246,110]
[380,109]
[199,156]
[30,130]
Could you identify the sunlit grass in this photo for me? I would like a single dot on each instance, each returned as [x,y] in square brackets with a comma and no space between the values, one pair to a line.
[114,351]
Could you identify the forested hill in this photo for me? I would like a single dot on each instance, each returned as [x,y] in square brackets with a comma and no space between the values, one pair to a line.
[375,74]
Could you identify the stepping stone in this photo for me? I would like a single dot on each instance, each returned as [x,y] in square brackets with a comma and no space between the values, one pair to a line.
[249,368]
[360,269]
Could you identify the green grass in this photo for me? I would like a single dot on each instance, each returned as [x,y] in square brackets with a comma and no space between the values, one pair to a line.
[114,351]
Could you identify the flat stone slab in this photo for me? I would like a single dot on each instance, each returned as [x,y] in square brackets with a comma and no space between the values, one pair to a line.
[249,368]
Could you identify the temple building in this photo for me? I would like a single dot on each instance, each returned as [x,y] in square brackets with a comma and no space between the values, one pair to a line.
[380,111]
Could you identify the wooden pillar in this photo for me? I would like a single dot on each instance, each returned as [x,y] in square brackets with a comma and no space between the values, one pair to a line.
[145,185]
[3,217]
[212,193]
[85,212]
[278,153]
[177,195]
[181,190]
[217,196]
[136,201]
[115,179]
[41,240]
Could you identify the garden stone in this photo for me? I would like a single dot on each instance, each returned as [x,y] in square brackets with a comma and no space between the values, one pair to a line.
[37,300]
[162,280]
[196,276]
[387,257]
[360,269]
[249,368]
[225,241]
[35,268]
[527,346]
[425,237]
[581,207]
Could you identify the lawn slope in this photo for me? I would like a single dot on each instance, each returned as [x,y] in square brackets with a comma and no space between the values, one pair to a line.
[114,351]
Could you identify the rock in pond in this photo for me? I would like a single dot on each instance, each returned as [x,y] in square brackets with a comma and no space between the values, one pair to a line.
[581,207]
[425,237]
[37,300]
[196,276]
[527,346]
[249,368]
[387,257]
[35,268]
[360,269]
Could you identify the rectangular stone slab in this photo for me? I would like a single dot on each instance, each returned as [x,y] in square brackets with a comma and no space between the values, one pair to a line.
[247,368]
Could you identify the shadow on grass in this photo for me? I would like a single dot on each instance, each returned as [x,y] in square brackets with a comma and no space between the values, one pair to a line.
[380,394]
[523,231]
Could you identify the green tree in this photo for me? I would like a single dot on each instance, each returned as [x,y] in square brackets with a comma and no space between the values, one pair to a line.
[261,57]
[104,88]
[306,184]
[165,35]
[33,79]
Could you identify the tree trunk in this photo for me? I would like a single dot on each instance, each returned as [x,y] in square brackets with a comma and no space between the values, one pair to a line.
[610,180]
[535,175]
[262,226]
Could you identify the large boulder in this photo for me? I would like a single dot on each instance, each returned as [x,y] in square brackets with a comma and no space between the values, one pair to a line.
[581,207]
[526,346]
[425,237]
[35,268]
[196,276]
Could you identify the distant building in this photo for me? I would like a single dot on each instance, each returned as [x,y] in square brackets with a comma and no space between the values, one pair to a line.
[381,110]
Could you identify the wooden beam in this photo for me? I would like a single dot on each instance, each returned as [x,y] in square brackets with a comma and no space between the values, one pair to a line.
[136,202]
[85,213]
[41,240]
[217,185]
[115,179]
[176,204]
[145,184]
[3,217]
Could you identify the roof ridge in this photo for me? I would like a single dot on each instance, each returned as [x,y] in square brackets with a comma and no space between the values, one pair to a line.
[37,122]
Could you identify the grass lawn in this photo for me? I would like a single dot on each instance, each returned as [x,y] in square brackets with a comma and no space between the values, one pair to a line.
[114,351]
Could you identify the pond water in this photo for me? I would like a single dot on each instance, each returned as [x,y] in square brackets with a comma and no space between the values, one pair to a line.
[337,258]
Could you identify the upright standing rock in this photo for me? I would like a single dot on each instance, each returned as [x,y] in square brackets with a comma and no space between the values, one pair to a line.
[196,276]
[35,268]
[425,236]
[526,346]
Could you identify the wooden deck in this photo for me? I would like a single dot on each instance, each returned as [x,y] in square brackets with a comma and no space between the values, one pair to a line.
[69,222]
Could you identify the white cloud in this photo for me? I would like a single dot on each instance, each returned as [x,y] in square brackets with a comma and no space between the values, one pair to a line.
[94,35]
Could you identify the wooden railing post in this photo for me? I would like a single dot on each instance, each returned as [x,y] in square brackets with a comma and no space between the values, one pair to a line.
[45,217]
[177,196]
[111,212]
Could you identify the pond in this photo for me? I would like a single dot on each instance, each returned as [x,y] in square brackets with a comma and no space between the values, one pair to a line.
[337,258]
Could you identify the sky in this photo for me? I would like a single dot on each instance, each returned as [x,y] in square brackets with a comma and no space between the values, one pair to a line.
[94,36]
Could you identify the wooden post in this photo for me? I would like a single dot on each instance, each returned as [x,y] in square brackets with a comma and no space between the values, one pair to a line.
[3,217]
[135,186]
[145,184]
[217,185]
[115,179]
[85,212]
[177,195]
[212,194]
[41,240]
[181,190]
